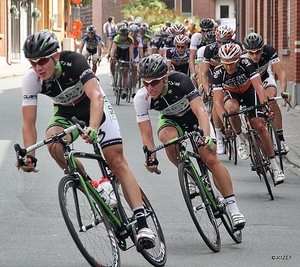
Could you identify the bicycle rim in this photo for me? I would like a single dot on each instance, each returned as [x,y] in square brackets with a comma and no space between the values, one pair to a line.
[94,237]
[276,143]
[236,235]
[199,209]
[258,160]
[156,256]
[234,149]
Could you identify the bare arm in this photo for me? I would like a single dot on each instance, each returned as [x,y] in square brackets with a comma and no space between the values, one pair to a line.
[198,109]
[28,129]
[278,69]
[204,67]
[192,61]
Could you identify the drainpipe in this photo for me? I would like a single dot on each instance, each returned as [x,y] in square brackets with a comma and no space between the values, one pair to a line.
[237,20]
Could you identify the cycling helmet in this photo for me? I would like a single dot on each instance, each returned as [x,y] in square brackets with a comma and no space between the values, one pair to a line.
[138,21]
[40,44]
[157,33]
[206,23]
[143,29]
[178,28]
[210,37]
[253,41]
[170,32]
[230,51]
[91,28]
[181,39]
[123,30]
[152,66]
[134,28]
[164,32]
[224,32]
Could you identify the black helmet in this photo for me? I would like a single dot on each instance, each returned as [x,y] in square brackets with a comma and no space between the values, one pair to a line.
[40,44]
[206,23]
[91,28]
[152,66]
[210,37]
[123,30]
[253,41]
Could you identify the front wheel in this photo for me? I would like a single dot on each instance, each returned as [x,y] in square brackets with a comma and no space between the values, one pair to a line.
[90,230]
[199,208]
[156,256]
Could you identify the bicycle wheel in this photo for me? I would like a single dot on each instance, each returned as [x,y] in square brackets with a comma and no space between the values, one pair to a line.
[129,88]
[199,209]
[258,159]
[236,235]
[233,148]
[276,142]
[156,256]
[119,88]
[92,233]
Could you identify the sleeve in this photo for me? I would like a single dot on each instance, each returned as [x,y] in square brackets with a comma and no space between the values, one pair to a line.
[217,80]
[31,86]
[142,105]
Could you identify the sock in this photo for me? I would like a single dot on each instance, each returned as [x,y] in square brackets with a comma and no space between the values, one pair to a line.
[280,135]
[231,203]
[273,163]
[241,137]
[139,214]
[219,134]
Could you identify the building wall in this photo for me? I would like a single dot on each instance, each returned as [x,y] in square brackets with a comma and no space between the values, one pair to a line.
[3,14]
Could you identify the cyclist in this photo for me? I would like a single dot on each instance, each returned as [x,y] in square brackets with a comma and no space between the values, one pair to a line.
[122,48]
[211,59]
[177,100]
[137,51]
[242,84]
[176,29]
[68,80]
[91,45]
[198,40]
[178,56]
[262,55]
[146,40]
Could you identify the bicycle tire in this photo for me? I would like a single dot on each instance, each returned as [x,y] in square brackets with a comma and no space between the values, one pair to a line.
[97,241]
[119,87]
[236,235]
[257,159]
[200,209]
[129,87]
[276,142]
[156,256]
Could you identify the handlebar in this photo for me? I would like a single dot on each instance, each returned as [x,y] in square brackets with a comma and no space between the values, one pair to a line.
[22,152]
[148,152]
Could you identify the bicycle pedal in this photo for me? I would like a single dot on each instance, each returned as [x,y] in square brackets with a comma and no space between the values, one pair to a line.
[146,244]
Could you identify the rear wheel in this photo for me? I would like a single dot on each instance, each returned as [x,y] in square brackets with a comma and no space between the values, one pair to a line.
[90,230]
[156,256]
[199,208]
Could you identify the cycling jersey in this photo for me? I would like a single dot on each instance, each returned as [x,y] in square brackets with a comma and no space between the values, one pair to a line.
[157,43]
[138,43]
[196,41]
[238,82]
[146,40]
[269,55]
[69,97]
[91,44]
[173,104]
[179,63]
[123,47]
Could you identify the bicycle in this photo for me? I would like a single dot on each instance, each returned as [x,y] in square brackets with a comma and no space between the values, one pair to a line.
[118,80]
[204,206]
[260,162]
[229,137]
[98,231]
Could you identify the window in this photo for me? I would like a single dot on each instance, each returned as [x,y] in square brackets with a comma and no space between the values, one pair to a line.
[186,6]
[224,11]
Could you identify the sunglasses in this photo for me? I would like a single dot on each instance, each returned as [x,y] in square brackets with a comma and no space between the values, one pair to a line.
[91,33]
[153,82]
[254,52]
[223,41]
[229,63]
[180,46]
[41,61]
[206,30]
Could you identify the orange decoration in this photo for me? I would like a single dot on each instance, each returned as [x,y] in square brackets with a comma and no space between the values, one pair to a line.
[76,2]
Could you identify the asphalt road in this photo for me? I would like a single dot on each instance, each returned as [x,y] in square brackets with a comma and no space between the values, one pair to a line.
[33,232]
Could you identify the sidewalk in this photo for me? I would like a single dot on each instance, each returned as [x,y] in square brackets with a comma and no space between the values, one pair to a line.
[290,118]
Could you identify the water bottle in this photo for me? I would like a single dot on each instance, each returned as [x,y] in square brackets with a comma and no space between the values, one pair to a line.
[107,186]
[103,193]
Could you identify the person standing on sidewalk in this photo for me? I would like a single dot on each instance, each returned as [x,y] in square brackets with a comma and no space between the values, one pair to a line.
[262,56]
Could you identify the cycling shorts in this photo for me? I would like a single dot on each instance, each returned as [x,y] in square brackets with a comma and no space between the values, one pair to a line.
[109,130]
[269,82]
[248,99]
[93,53]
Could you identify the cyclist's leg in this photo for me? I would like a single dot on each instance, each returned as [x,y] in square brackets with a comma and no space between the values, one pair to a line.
[111,144]
[166,130]
[95,60]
